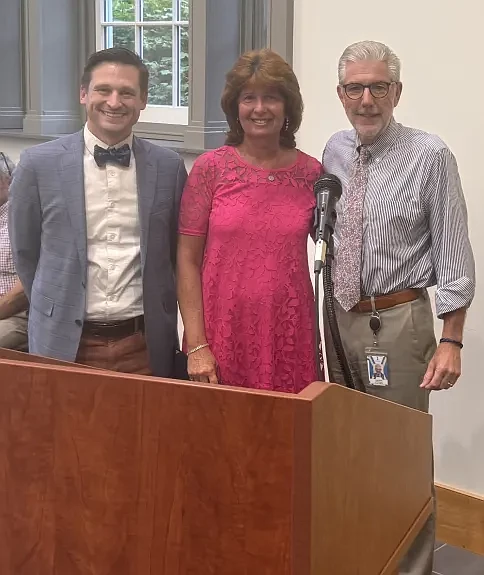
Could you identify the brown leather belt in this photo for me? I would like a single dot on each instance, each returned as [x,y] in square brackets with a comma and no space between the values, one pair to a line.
[114,330]
[387,301]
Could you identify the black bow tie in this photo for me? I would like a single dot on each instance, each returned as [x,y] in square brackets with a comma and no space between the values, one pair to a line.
[119,156]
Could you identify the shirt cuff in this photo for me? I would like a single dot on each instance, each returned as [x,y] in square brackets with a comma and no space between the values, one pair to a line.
[454,295]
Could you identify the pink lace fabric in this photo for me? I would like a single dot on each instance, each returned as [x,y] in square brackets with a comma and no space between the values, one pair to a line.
[257,292]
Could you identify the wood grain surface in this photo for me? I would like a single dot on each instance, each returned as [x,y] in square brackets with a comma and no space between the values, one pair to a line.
[109,474]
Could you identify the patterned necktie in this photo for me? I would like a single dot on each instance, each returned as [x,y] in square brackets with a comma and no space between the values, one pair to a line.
[119,156]
[347,277]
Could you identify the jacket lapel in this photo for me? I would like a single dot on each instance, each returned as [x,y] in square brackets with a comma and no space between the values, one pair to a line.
[72,177]
[146,175]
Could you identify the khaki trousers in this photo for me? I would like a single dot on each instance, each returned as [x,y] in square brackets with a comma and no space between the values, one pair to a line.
[13,332]
[407,335]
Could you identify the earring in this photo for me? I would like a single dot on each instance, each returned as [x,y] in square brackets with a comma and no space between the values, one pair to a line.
[286,125]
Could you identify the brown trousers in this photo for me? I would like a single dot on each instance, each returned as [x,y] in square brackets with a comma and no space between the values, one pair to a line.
[127,355]
[407,334]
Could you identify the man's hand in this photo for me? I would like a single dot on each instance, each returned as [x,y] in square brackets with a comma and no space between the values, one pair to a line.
[5,181]
[13,301]
[444,368]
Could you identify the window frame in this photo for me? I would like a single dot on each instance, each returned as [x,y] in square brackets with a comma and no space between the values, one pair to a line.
[215,28]
[262,23]
[156,114]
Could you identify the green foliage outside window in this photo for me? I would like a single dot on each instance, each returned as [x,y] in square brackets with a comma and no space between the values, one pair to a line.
[157,44]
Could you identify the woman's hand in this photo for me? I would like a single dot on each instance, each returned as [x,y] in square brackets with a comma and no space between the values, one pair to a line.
[202,366]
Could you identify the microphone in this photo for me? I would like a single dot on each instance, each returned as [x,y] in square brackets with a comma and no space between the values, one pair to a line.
[327,191]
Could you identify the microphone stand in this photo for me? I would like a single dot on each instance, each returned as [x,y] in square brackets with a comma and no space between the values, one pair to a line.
[327,259]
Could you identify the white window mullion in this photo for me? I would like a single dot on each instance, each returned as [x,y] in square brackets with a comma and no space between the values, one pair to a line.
[175,54]
[138,32]
[138,39]
[108,12]
[108,16]
[99,12]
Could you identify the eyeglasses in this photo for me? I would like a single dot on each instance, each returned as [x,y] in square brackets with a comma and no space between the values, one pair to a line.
[377,89]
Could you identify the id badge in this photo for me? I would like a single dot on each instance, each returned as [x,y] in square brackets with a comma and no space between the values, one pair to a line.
[377,363]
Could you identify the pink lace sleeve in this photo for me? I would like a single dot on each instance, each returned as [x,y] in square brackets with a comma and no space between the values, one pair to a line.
[196,200]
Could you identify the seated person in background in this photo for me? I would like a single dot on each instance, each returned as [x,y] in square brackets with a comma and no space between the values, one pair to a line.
[13,303]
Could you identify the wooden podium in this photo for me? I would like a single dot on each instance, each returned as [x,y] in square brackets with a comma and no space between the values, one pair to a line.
[109,474]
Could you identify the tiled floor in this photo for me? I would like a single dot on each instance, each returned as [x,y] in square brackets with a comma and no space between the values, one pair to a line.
[453,561]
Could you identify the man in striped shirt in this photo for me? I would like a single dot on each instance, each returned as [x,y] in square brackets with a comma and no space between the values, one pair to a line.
[401,228]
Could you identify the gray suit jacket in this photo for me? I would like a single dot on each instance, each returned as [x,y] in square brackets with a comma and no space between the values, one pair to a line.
[47,226]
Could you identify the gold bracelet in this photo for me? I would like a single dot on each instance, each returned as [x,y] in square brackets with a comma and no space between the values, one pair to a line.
[197,348]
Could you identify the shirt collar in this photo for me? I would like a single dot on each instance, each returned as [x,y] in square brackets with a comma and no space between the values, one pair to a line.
[90,141]
[383,143]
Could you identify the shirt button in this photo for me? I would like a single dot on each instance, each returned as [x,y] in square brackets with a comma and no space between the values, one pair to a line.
[271,178]
[111,237]
[111,266]
[112,174]
[78,322]
[111,204]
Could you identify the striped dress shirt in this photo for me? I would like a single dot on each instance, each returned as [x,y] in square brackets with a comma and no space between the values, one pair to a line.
[414,217]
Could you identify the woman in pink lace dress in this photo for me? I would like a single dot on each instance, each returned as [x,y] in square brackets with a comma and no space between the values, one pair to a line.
[244,286]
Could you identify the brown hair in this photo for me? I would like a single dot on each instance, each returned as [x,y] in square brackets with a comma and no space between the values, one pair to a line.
[270,69]
[116,56]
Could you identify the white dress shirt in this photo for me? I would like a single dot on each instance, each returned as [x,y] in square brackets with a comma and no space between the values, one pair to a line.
[114,283]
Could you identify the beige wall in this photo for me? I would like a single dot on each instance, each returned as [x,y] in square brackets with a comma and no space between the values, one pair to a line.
[439,43]
[14,146]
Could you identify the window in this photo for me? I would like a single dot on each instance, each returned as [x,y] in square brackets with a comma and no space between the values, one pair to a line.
[187,76]
[158,31]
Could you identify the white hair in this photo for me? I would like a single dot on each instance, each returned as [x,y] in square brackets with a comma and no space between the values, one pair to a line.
[369,50]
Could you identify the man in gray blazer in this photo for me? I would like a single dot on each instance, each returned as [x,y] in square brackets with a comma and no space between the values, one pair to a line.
[93,223]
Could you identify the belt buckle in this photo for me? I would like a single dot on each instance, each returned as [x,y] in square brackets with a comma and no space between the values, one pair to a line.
[97,328]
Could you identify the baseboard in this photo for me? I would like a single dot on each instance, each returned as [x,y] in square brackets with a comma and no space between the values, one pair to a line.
[460,519]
